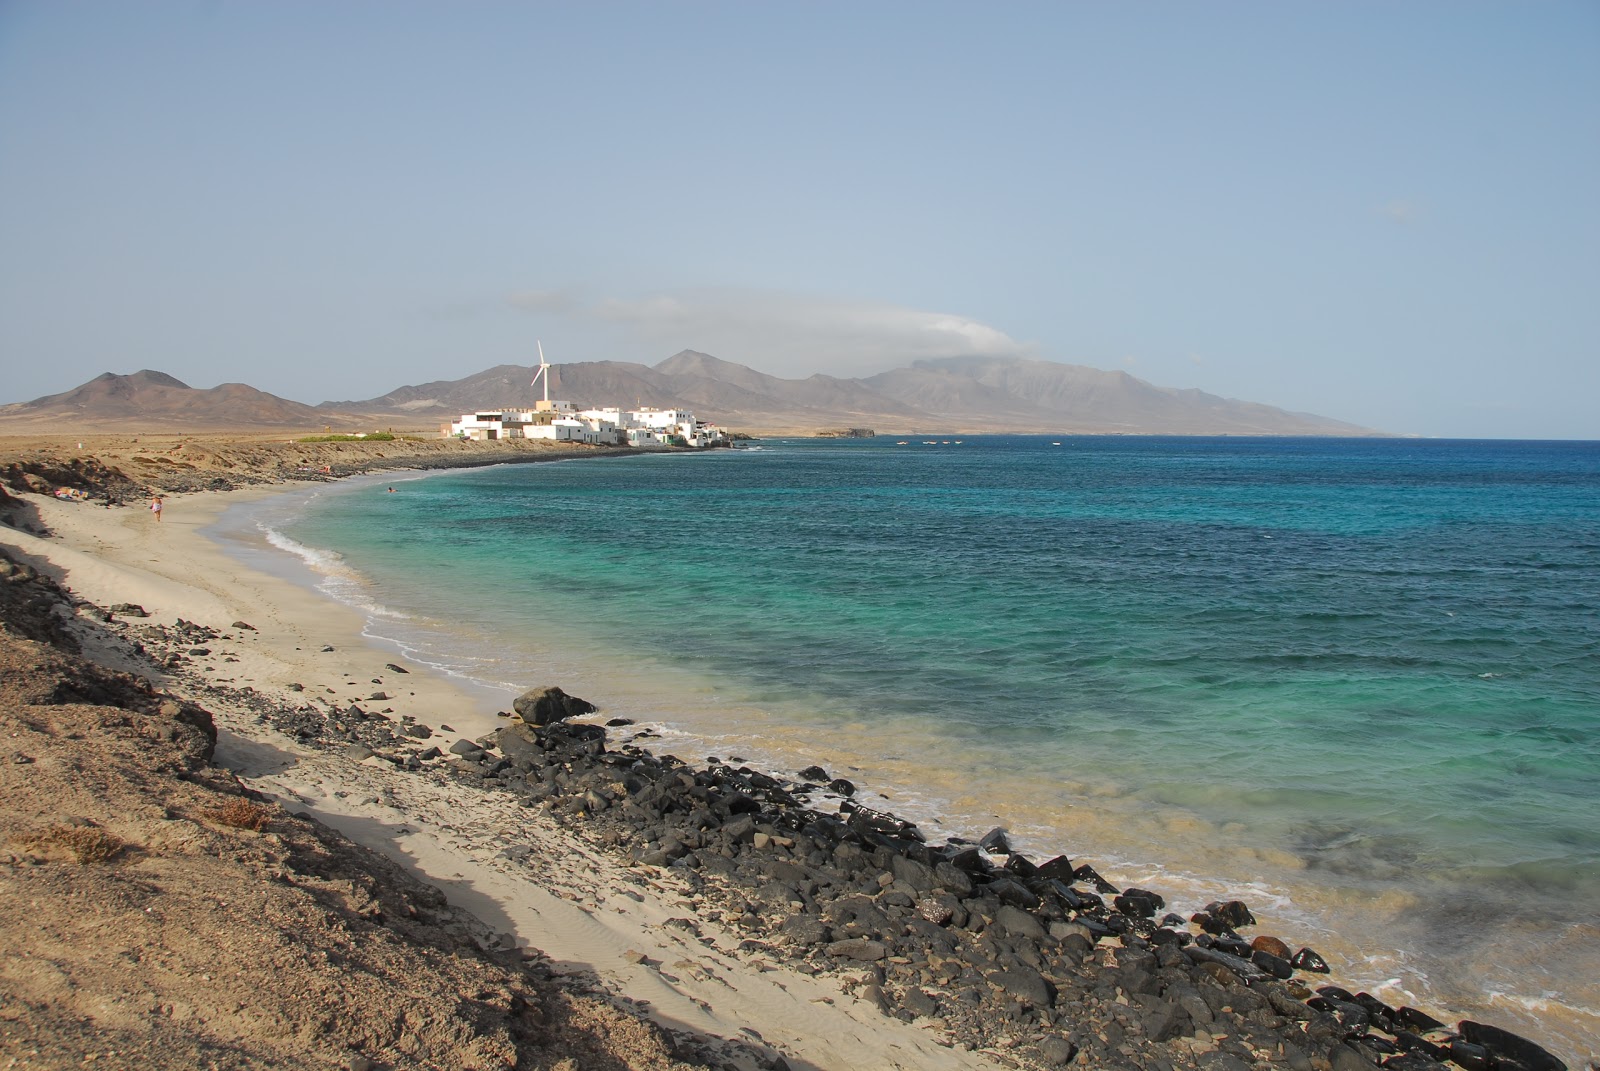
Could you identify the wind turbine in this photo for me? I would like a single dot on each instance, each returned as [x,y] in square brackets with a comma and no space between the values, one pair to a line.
[544,370]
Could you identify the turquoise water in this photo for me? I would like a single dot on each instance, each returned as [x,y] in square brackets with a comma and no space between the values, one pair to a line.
[1360,676]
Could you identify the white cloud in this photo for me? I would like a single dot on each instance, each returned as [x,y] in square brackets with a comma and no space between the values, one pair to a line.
[1402,212]
[783,333]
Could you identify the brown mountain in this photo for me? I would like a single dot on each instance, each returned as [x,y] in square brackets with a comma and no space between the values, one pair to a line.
[958,394]
[150,399]
[955,394]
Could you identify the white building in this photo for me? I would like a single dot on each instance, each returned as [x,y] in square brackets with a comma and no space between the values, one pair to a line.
[490,424]
[610,426]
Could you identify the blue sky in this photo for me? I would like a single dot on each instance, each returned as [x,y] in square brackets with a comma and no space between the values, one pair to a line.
[1387,213]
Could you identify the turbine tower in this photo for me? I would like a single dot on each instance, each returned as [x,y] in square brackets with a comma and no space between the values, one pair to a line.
[544,370]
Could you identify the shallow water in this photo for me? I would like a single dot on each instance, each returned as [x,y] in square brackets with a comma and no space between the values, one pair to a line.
[1355,682]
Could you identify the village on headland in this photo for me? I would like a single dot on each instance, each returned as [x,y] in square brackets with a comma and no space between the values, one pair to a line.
[561,421]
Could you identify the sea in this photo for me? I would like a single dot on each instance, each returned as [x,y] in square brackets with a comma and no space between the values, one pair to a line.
[1353,682]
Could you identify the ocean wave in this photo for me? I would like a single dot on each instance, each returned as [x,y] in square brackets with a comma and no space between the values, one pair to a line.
[336,578]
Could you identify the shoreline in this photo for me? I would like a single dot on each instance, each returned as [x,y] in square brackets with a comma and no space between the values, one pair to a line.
[195,579]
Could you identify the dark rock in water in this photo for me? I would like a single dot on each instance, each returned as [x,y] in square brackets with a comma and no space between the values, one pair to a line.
[1020,866]
[1241,967]
[1416,1043]
[1382,1014]
[1276,966]
[1307,960]
[814,773]
[1135,904]
[968,860]
[1413,1061]
[1272,947]
[1419,1021]
[1154,897]
[395,669]
[544,706]
[1057,869]
[1506,1046]
[996,842]
[1231,913]
[1233,946]
[842,787]
[1091,875]
[1470,1056]
[617,723]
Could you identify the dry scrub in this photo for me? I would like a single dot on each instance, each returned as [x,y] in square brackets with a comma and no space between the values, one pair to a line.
[240,813]
[86,844]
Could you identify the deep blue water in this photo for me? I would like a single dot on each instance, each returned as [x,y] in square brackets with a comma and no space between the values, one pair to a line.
[1377,660]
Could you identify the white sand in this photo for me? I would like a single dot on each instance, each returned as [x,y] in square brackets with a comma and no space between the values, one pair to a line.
[511,866]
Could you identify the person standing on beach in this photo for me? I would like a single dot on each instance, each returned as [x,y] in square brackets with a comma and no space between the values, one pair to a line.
[155,507]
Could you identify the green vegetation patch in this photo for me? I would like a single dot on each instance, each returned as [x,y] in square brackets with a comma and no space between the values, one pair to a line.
[369,437]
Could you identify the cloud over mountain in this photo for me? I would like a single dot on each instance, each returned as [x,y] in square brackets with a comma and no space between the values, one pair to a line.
[792,333]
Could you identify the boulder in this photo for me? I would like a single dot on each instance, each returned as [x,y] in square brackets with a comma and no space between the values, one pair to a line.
[1018,922]
[1026,984]
[996,841]
[1308,960]
[547,705]
[1272,947]
[1507,1047]
[1231,913]
[859,949]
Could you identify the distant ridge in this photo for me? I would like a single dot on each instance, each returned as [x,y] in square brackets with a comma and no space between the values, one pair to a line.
[956,394]
[967,395]
[148,398]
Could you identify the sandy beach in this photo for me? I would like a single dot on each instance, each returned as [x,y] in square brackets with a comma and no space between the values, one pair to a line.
[512,867]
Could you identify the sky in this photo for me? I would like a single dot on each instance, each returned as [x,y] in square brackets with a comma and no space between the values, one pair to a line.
[1387,213]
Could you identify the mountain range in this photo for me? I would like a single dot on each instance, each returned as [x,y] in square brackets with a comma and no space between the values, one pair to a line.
[954,394]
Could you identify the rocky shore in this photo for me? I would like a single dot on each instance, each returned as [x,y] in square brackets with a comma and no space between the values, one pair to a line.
[116,469]
[182,891]
[1041,962]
